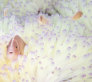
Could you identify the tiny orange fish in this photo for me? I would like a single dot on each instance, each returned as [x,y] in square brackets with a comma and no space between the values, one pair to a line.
[15,47]
[5,12]
[77,15]
[43,20]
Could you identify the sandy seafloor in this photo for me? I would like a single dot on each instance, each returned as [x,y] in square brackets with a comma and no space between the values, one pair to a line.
[60,51]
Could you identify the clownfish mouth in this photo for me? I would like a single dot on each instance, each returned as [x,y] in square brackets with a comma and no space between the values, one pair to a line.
[12,57]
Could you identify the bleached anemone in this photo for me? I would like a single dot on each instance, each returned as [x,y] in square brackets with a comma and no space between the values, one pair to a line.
[58,45]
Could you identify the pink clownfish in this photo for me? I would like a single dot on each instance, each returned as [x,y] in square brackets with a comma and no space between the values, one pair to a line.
[15,47]
[43,20]
[77,15]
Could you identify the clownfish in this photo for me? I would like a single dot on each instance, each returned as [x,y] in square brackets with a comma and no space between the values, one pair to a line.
[43,20]
[5,12]
[15,47]
[77,15]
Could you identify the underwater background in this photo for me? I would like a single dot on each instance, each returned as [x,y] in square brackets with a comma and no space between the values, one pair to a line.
[58,48]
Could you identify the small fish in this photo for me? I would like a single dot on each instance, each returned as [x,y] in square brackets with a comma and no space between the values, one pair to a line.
[43,20]
[15,47]
[5,12]
[77,15]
